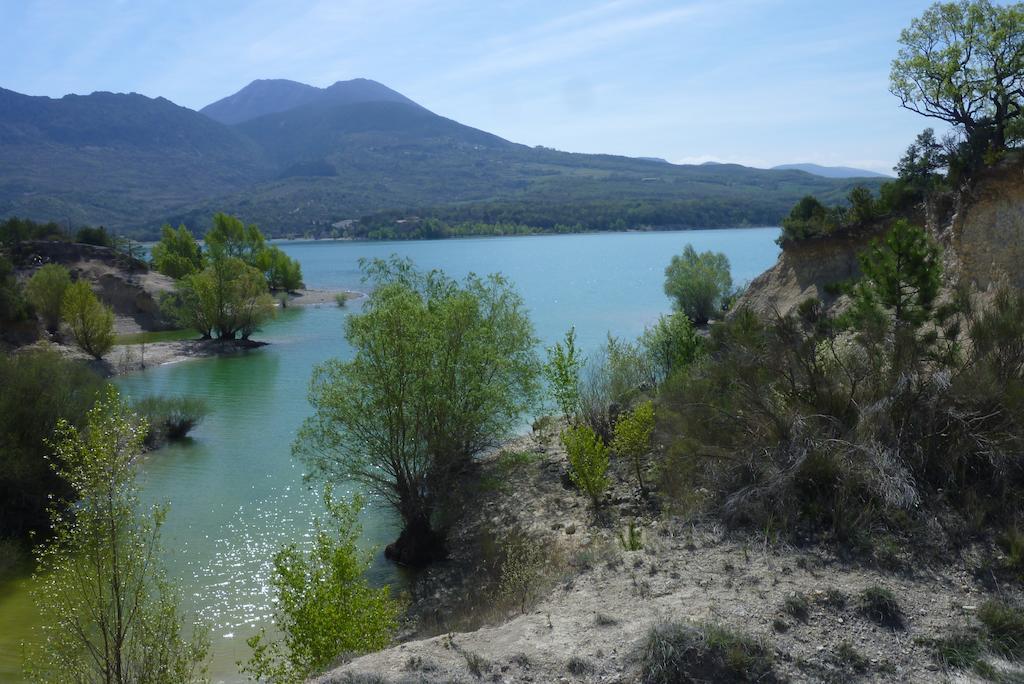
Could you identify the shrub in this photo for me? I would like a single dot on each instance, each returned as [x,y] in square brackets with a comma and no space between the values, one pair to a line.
[45,290]
[521,571]
[177,254]
[697,283]
[632,438]
[879,605]
[808,219]
[94,236]
[170,418]
[670,345]
[325,606]
[797,606]
[677,652]
[341,299]
[562,371]
[612,380]
[588,461]
[90,321]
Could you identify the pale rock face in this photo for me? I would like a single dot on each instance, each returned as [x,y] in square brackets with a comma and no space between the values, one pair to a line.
[987,236]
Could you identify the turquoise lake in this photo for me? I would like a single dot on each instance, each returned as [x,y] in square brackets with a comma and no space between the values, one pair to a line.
[235,492]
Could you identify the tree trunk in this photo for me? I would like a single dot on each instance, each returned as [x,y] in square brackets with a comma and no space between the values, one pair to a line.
[417,546]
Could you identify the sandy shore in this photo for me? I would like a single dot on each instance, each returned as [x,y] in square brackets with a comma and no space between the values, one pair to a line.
[321,297]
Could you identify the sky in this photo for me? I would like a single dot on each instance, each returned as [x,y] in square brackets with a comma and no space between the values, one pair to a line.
[756,82]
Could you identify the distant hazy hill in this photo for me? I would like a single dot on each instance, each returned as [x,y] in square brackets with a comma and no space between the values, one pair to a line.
[301,159]
[830,171]
[270,96]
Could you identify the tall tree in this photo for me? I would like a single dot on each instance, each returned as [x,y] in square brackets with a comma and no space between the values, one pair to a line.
[45,290]
[177,254]
[963,62]
[441,371]
[91,321]
[109,614]
[698,283]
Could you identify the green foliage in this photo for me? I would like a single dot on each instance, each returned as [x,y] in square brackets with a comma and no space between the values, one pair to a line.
[177,254]
[895,297]
[633,538]
[588,462]
[809,218]
[671,345]
[36,389]
[863,207]
[441,371]
[94,236]
[91,322]
[678,652]
[170,418]
[228,299]
[281,271]
[325,606]
[14,306]
[15,230]
[562,371]
[229,237]
[45,290]
[341,299]
[697,283]
[632,438]
[612,380]
[963,63]
[108,612]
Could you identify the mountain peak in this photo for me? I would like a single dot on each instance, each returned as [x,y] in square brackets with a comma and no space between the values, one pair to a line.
[274,95]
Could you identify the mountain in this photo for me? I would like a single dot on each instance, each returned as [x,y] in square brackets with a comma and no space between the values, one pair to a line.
[115,159]
[271,96]
[830,171]
[356,154]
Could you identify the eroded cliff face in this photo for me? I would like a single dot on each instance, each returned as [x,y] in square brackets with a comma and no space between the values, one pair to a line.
[985,237]
[806,269]
[981,230]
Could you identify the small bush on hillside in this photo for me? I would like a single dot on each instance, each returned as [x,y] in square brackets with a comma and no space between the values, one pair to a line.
[521,571]
[612,381]
[588,461]
[879,605]
[562,371]
[45,290]
[14,305]
[677,652]
[91,322]
[632,437]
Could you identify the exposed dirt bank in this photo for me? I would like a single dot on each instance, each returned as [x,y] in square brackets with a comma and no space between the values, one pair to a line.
[597,601]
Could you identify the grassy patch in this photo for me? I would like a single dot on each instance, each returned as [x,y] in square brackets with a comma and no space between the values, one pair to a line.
[682,652]
[797,606]
[849,657]
[1004,626]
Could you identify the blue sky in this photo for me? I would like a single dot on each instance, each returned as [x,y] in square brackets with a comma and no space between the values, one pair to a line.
[758,82]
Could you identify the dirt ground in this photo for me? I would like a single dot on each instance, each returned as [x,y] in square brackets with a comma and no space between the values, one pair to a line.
[599,600]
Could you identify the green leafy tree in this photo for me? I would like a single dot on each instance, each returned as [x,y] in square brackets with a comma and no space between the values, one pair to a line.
[863,207]
[588,461]
[670,345]
[14,305]
[281,271]
[896,295]
[177,254]
[91,322]
[923,160]
[325,606]
[632,438]
[963,63]
[45,290]
[109,613]
[37,388]
[697,283]
[229,237]
[440,372]
[228,299]
[562,371]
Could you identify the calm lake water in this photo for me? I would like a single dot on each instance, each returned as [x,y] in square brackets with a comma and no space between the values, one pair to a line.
[236,495]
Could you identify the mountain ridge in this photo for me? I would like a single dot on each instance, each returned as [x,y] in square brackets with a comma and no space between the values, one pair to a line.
[131,163]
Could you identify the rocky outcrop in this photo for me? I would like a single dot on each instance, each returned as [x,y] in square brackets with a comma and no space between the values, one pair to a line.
[981,229]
